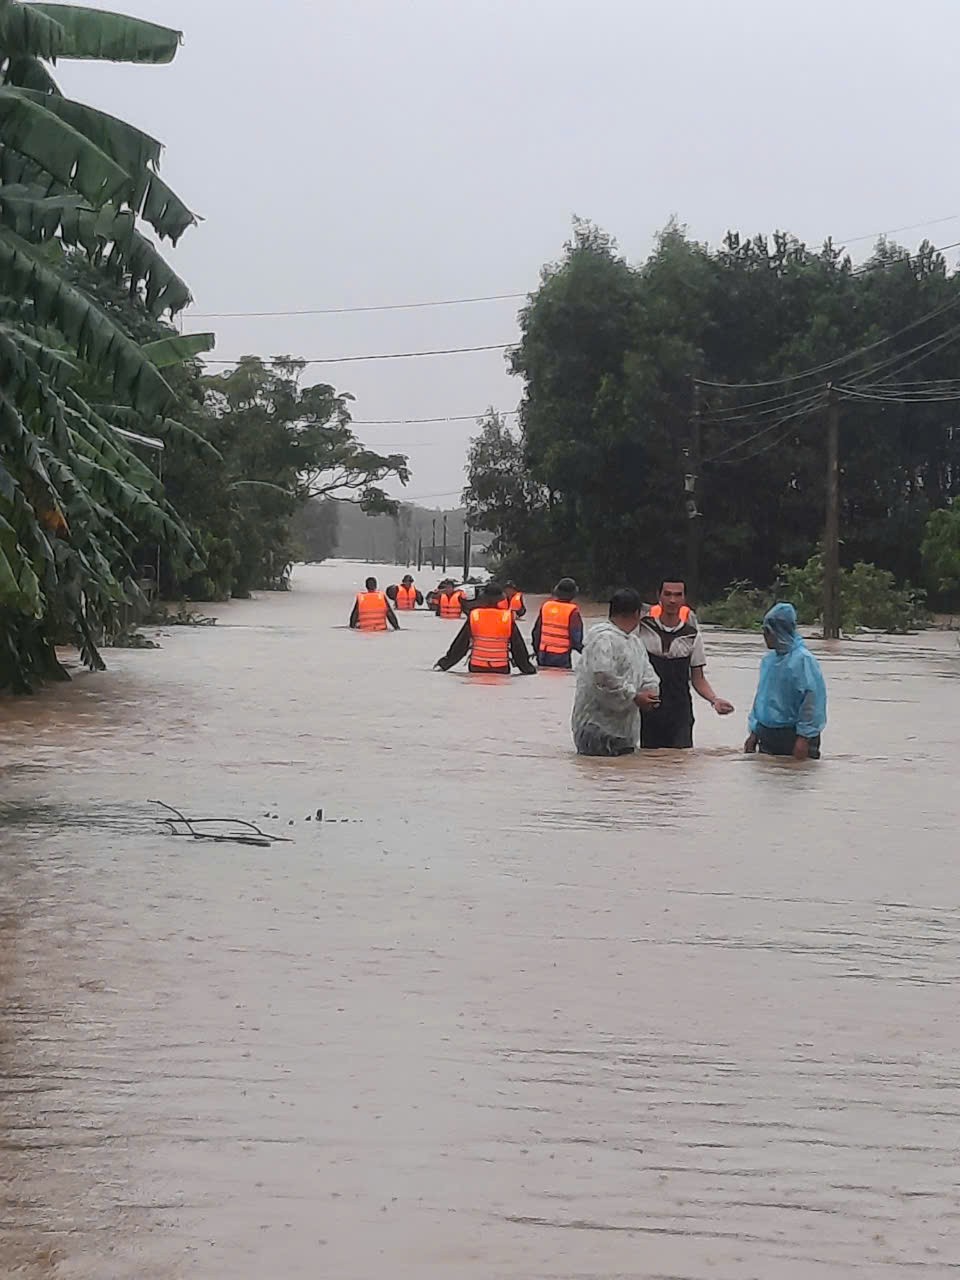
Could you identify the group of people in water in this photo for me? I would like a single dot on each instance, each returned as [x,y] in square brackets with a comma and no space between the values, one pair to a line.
[637,671]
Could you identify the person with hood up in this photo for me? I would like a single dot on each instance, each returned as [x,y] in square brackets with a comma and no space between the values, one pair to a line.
[790,708]
[615,680]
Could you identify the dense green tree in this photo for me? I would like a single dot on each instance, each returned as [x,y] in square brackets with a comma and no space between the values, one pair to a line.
[608,355]
[278,444]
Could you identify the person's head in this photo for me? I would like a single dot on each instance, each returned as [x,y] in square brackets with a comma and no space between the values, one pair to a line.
[407,580]
[445,585]
[371,584]
[673,596]
[625,606]
[780,627]
[491,595]
[565,589]
[509,588]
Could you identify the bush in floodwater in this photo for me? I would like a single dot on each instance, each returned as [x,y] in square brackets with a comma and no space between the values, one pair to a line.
[869,597]
[741,609]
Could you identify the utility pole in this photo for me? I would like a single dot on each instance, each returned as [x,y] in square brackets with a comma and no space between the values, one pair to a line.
[831,532]
[444,543]
[690,481]
[419,554]
[433,547]
[467,549]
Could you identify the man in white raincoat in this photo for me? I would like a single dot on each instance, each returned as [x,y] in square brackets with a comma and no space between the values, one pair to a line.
[615,681]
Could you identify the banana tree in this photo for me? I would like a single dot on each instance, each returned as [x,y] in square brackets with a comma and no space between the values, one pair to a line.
[76,497]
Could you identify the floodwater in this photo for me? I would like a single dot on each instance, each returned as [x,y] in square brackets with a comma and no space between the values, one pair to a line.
[513,1015]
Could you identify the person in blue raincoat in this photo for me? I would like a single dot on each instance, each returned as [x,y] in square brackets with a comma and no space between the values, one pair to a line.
[790,708]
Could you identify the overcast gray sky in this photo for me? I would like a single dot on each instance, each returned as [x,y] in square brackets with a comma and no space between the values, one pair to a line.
[359,152]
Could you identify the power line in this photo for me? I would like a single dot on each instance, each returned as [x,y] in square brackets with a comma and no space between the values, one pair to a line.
[893,231]
[889,398]
[513,297]
[804,408]
[405,422]
[833,364]
[345,311]
[388,355]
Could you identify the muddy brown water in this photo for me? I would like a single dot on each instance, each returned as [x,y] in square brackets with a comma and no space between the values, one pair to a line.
[513,1014]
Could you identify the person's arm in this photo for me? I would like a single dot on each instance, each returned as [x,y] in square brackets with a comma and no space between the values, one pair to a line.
[753,720]
[522,611]
[576,631]
[614,691]
[812,719]
[355,615]
[700,683]
[392,619]
[519,654]
[392,592]
[458,650]
[419,599]
[535,633]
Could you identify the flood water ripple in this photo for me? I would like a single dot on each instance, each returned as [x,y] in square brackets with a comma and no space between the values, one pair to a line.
[502,1014]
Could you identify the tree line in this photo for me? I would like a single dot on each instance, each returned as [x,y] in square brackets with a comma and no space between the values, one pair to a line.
[113,442]
[595,482]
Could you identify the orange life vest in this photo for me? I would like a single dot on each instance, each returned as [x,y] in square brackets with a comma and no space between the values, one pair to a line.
[406,597]
[490,632]
[514,604]
[555,626]
[448,604]
[372,611]
[657,612]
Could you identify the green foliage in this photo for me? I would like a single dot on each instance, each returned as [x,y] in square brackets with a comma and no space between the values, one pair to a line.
[76,498]
[741,609]
[276,445]
[869,597]
[607,354]
[941,552]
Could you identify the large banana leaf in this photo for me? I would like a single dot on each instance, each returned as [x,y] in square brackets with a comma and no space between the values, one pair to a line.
[95,33]
[131,148]
[34,131]
[86,326]
[26,29]
[178,348]
[30,73]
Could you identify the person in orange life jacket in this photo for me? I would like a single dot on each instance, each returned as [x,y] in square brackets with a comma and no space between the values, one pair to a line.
[405,597]
[558,630]
[512,599]
[371,610]
[491,637]
[450,602]
[673,642]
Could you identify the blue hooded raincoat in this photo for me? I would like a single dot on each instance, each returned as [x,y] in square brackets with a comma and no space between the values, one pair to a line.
[791,693]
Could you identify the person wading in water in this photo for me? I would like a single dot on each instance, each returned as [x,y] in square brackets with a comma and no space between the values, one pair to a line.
[371,610]
[671,636]
[790,709]
[491,637]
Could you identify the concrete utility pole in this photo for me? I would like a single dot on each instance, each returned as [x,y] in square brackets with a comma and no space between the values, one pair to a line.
[433,548]
[467,549]
[690,481]
[444,544]
[831,532]
[419,554]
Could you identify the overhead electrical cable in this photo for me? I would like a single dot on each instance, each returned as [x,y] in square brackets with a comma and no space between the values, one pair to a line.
[840,360]
[387,355]
[807,406]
